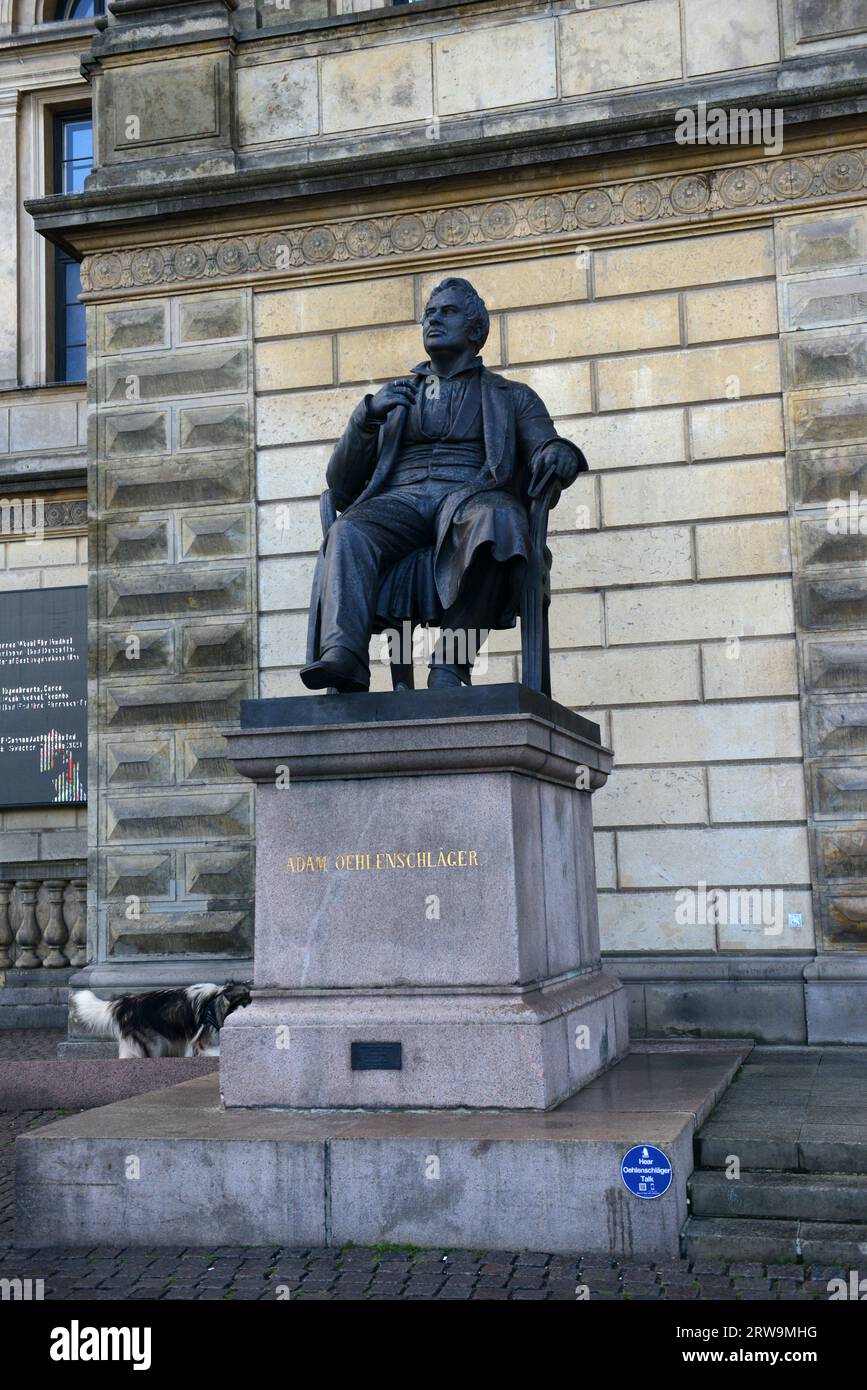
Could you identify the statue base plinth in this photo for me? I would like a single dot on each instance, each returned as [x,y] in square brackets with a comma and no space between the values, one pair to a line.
[426,929]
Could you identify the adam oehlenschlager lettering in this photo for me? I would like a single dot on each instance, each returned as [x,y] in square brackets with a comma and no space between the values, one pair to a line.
[77,1343]
[375,860]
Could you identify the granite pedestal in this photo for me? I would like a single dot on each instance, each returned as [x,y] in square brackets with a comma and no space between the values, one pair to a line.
[426,928]
[509,1180]
[433,1055]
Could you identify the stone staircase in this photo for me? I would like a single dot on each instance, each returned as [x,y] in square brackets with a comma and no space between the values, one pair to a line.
[796,1121]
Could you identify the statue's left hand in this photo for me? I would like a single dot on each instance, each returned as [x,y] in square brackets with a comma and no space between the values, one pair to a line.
[565,463]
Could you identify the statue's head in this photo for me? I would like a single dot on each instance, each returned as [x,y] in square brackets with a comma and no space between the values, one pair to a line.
[455,318]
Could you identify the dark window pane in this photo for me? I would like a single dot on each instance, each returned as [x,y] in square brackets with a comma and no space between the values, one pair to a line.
[80,9]
[79,140]
[73,143]
[71,286]
[76,364]
[75,325]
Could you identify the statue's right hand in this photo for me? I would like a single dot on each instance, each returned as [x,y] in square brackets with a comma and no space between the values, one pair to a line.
[399,392]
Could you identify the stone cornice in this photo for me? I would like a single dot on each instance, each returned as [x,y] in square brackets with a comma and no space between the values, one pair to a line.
[625,209]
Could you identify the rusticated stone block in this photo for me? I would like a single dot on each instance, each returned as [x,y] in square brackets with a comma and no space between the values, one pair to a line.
[285,364]
[731,311]
[144,762]
[825,301]
[831,357]
[51,425]
[578,330]
[135,433]
[500,66]
[759,607]
[278,101]
[178,816]
[753,793]
[608,48]
[845,921]
[376,86]
[214,426]
[517,284]
[215,536]
[177,482]
[693,374]
[173,593]
[320,308]
[203,759]
[684,261]
[831,602]
[749,548]
[840,791]
[822,544]
[836,665]
[125,327]
[824,241]
[837,724]
[218,873]
[180,934]
[829,474]
[176,103]
[744,488]
[136,650]
[833,418]
[182,372]
[630,439]
[217,646]
[139,873]
[842,853]
[203,318]
[144,541]
[817,19]
[173,704]
[754,668]
[743,35]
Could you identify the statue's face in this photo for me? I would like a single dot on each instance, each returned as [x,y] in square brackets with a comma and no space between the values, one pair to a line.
[444,324]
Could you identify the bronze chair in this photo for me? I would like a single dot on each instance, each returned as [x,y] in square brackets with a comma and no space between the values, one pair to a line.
[535,598]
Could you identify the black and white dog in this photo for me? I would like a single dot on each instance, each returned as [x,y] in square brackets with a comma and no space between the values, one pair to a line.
[164,1022]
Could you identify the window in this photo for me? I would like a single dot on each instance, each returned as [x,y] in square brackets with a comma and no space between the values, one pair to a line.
[79,9]
[73,161]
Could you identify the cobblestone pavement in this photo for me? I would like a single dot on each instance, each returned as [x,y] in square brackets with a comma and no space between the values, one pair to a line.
[270,1272]
[30,1044]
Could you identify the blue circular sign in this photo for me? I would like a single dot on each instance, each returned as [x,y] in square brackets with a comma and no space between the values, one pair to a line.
[646,1171]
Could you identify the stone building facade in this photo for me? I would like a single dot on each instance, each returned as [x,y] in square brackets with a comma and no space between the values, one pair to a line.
[276,188]
[43,457]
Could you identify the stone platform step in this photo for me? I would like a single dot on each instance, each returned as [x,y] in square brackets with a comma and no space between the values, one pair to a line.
[835,1197]
[34,1005]
[783,1147]
[506,1180]
[775,1242]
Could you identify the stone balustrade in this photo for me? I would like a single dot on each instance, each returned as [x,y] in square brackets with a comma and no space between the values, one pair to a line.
[43,924]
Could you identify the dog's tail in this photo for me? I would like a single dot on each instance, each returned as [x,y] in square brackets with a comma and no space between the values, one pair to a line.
[97,1015]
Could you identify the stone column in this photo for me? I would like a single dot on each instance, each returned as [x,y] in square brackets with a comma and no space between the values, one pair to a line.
[6,937]
[27,937]
[823,319]
[55,934]
[78,934]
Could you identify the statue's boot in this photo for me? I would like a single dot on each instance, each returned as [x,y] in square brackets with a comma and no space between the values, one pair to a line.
[444,677]
[337,669]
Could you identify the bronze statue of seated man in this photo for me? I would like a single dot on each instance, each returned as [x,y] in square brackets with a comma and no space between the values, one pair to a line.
[439,462]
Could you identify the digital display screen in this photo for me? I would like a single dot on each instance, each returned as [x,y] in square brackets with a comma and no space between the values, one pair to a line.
[43,697]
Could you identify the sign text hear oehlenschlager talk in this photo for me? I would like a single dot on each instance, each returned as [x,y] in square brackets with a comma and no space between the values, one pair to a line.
[375,860]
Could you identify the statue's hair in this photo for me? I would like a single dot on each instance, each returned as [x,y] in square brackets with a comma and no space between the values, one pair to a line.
[478,318]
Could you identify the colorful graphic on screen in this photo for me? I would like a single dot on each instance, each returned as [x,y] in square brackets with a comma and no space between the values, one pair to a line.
[43,697]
